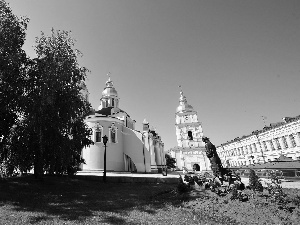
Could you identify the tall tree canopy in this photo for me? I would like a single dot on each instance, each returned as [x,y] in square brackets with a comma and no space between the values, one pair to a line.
[56,106]
[42,99]
[12,67]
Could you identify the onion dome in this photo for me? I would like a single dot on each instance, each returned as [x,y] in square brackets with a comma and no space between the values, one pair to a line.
[183,105]
[109,90]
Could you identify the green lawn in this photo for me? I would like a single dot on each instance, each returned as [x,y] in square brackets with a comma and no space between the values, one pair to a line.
[61,200]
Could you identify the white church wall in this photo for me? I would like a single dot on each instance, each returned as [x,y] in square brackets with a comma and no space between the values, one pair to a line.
[133,147]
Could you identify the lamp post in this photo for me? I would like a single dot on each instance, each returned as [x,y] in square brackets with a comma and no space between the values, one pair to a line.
[105,139]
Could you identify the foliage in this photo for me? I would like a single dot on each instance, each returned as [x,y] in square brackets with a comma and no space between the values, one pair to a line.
[13,65]
[276,192]
[42,118]
[202,181]
[171,162]
[254,182]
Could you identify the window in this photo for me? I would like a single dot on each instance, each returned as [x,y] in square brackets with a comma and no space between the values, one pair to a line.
[113,134]
[98,136]
[272,145]
[190,135]
[112,102]
[265,146]
[284,142]
[292,140]
[98,132]
[277,143]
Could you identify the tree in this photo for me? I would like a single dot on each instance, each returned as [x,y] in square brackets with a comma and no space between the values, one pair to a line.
[42,106]
[55,107]
[13,64]
[170,161]
[254,181]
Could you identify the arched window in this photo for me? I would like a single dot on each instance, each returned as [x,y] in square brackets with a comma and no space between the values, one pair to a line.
[284,142]
[98,133]
[190,135]
[113,133]
[292,140]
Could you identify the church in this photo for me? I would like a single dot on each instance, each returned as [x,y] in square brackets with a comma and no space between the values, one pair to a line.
[128,150]
[190,149]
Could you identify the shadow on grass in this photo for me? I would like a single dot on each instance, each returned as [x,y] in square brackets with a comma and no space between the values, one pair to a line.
[73,199]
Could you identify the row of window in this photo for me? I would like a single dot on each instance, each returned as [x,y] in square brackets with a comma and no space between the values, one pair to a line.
[252,148]
[98,134]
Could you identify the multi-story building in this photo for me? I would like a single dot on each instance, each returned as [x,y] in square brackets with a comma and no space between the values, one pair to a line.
[282,138]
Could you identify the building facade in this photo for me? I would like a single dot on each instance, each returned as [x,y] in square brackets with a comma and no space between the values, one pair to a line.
[265,145]
[190,149]
[127,149]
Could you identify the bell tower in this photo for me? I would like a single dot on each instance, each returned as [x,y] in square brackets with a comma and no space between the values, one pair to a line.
[188,129]
[190,149]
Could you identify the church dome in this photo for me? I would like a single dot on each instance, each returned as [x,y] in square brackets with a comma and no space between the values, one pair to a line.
[109,90]
[183,105]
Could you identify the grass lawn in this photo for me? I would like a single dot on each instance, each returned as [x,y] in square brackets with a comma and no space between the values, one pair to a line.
[62,200]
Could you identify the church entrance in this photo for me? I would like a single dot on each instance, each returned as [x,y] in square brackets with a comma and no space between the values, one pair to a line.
[196,167]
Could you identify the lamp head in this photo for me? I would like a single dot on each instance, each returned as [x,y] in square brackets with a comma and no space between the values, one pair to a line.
[105,139]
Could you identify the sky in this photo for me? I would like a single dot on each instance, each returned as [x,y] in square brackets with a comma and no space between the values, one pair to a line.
[238,62]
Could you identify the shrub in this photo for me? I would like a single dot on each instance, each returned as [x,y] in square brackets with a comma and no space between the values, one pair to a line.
[181,186]
[276,192]
[254,182]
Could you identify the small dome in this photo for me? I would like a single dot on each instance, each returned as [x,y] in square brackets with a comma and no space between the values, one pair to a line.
[109,90]
[183,105]
[184,108]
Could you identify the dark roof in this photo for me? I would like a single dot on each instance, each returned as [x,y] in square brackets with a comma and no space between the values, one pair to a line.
[107,111]
[104,111]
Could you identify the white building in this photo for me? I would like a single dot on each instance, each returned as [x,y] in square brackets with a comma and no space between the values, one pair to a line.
[127,148]
[190,148]
[281,138]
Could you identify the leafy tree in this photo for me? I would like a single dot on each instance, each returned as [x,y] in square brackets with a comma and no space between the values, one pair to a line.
[170,161]
[42,106]
[13,65]
[55,107]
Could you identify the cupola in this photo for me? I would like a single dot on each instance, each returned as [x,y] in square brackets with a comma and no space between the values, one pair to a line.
[183,105]
[109,96]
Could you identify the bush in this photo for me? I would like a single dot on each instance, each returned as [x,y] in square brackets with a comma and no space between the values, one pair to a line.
[254,182]
[276,192]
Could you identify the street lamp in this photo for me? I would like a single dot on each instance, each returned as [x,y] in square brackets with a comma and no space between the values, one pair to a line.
[105,139]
